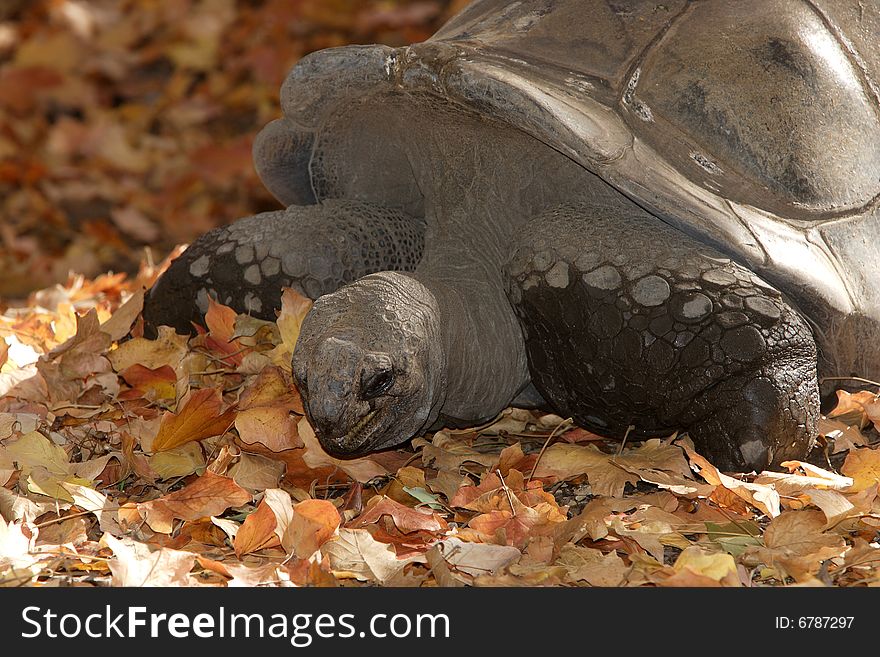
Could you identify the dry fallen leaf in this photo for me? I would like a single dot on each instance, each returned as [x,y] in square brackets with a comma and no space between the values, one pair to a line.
[313,523]
[199,417]
[209,495]
[863,465]
[135,564]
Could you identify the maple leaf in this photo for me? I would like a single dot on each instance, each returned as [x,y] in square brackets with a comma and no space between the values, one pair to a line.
[66,368]
[256,473]
[209,495]
[564,461]
[199,417]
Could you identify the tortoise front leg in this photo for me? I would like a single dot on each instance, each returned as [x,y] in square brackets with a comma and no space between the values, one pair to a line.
[314,249]
[630,322]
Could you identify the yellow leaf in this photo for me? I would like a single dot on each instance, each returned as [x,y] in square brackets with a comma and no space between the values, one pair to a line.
[178,462]
[863,465]
[168,349]
[34,449]
[719,566]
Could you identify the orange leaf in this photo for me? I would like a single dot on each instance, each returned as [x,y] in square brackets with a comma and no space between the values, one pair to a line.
[314,523]
[294,308]
[150,384]
[220,321]
[257,531]
[198,418]
[209,495]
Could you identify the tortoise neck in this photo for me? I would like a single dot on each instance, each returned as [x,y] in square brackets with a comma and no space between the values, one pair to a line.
[484,351]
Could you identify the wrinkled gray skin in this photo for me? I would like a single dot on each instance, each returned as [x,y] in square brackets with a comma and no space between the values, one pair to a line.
[653,215]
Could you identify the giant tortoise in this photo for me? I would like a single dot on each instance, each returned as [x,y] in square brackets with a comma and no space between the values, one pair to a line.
[648,216]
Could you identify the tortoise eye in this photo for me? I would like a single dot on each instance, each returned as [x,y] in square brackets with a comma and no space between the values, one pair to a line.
[374,384]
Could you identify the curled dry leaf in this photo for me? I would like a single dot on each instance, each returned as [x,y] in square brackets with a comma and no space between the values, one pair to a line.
[257,531]
[761,496]
[476,558]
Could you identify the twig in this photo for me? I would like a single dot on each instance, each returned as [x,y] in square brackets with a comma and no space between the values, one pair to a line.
[625,436]
[507,490]
[553,434]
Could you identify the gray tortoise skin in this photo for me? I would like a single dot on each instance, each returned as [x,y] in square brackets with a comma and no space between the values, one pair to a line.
[661,216]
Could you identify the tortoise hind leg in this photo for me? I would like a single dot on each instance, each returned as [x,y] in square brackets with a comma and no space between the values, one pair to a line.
[630,322]
[314,249]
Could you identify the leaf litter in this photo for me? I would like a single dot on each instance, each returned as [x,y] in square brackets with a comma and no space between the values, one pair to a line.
[188,462]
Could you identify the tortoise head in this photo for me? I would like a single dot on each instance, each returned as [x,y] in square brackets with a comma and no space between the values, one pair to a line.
[369,364]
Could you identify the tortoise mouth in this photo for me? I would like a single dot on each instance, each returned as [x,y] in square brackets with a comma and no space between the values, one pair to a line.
[356,441]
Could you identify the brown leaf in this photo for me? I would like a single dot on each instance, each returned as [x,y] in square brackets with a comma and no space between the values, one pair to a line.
[592,566]
[199,418]
[314,522]
[118,326]
[294,308]
[406,519]
[209,495]
[265,412]
[257,531]
[796,542]
[564,461]
[357,554]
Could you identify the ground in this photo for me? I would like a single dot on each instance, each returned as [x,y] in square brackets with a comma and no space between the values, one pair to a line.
[126,461]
